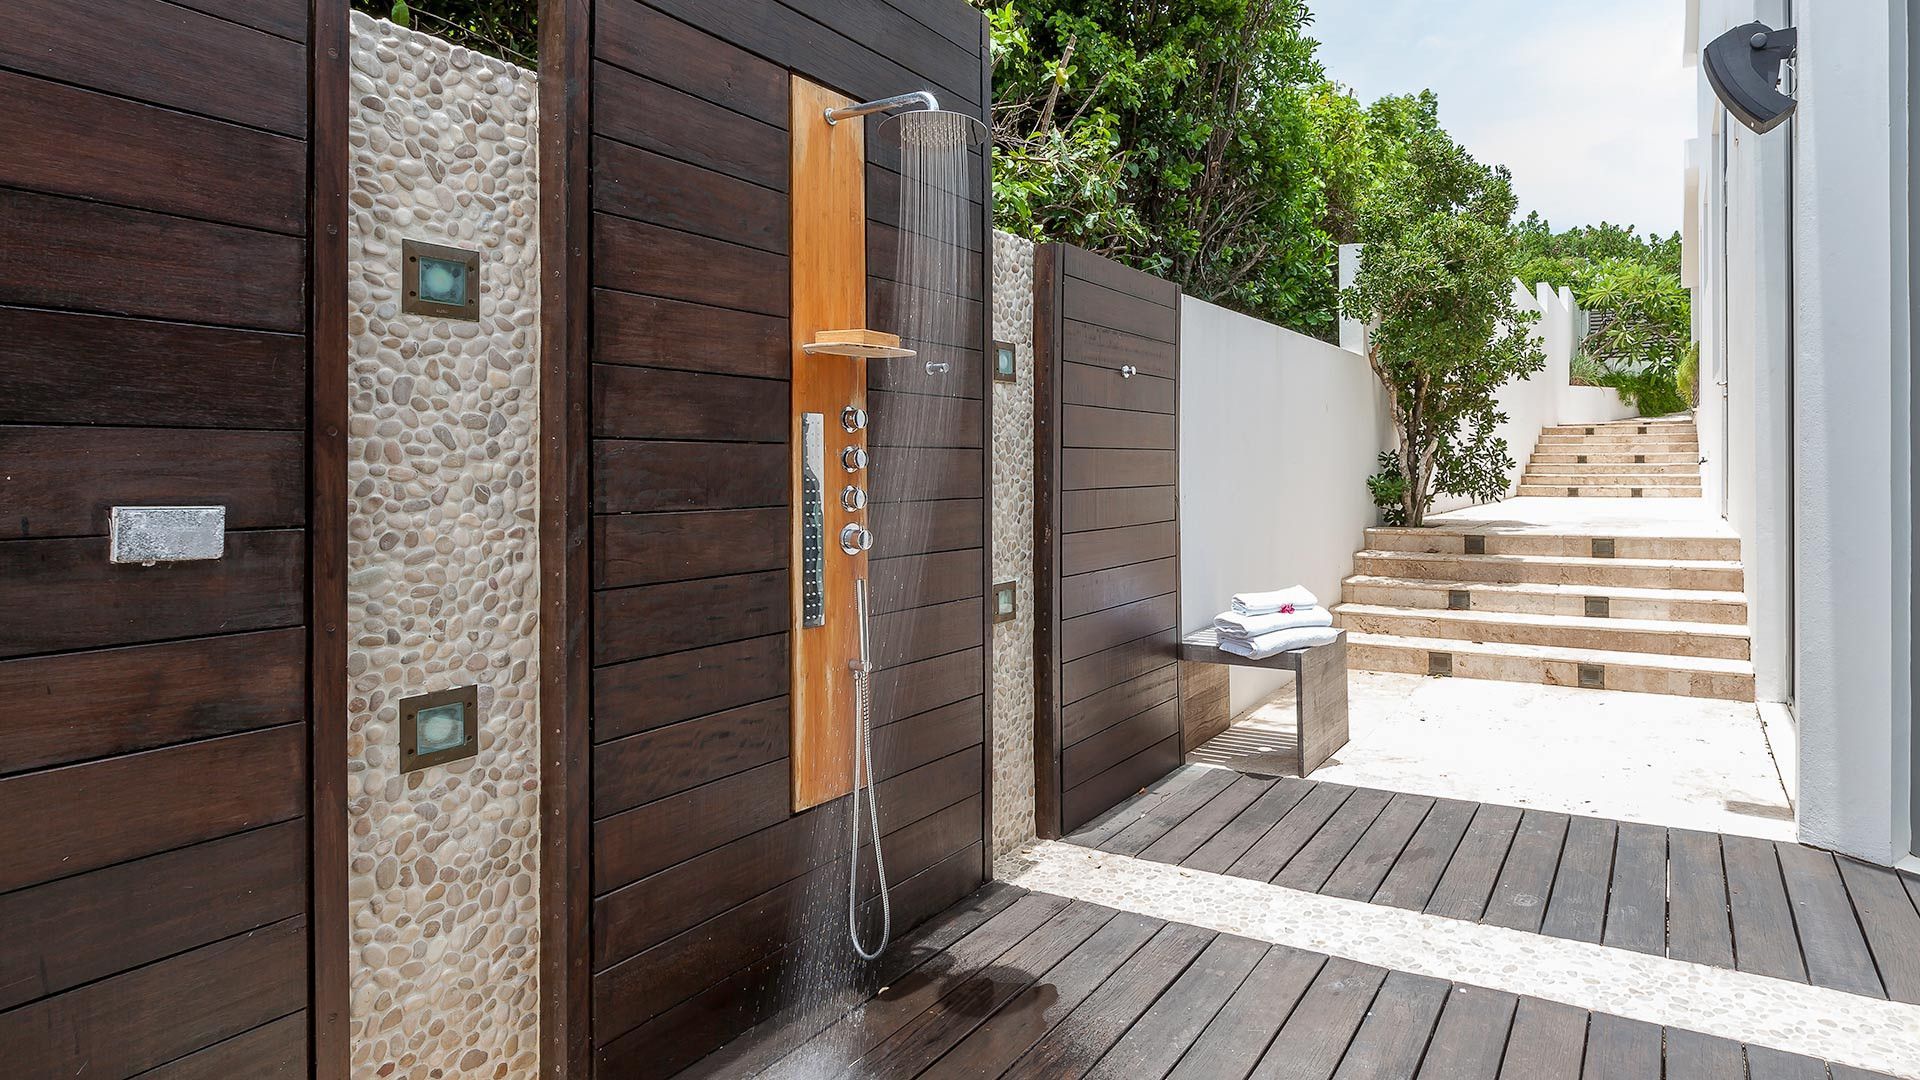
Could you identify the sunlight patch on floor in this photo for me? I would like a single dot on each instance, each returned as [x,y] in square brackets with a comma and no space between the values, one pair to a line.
[1681,762]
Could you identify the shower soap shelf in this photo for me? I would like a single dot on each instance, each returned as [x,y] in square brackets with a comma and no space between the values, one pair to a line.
[869,343]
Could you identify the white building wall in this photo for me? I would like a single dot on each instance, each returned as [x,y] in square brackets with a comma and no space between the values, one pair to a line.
[1277,494]
[1805,307]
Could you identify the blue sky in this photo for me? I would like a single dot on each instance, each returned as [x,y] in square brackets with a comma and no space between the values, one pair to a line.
[1587,103]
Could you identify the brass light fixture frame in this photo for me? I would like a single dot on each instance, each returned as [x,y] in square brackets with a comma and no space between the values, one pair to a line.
[410,708]
[412,251]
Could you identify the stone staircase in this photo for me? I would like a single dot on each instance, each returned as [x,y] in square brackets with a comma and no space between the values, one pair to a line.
[1654,607]
[1638,459]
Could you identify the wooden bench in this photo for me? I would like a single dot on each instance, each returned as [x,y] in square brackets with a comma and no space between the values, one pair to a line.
[1320,690]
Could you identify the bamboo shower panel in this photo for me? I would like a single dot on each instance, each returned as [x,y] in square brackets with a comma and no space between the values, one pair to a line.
[829,283]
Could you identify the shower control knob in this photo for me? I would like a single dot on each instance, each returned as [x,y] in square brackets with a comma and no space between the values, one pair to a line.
[853,418]
[854,458]
[852,499]
[1128,371]
[855,538]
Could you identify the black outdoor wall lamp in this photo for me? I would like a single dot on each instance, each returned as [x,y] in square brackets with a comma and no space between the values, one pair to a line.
[1743,67]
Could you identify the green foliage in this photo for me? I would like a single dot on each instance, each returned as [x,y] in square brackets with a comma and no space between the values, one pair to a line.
[1196,139]
[1389,489]
[1630,283]
[1436,276]
[1584,370]
[508,29]
[1686,378]
[1558,258]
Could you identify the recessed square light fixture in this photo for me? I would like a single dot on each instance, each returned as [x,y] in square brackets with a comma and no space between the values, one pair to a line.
[440,281]
[1005,362]
[1006,601]
[439,727]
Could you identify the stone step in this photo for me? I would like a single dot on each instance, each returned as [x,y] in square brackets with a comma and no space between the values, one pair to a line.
[1634,458]
[1668,443]
[1719,640]
[1599,491]
[1576,476]
[1624,427]
[1674,605]
[1552,570]
[1453,539]
[1613,468]
[1688,676]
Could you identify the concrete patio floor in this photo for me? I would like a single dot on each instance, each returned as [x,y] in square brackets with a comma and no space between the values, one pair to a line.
[1680,762]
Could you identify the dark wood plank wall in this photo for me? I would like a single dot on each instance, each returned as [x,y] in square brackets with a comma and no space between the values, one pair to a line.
[1109,544]
[154,738]
[700,875]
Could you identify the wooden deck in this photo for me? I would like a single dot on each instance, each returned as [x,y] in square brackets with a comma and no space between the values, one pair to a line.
[1758,906]
[1016,984]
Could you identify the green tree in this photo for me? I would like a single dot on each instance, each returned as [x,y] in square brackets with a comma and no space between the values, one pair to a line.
[1197,139]
[1436,279]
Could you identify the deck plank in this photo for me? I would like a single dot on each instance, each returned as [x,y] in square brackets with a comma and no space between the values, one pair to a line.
[1467,883]
[1090,1029]
[1765,1063]
[1332,842]
[1359,875]
[1233,1044]
[1637,904]
[1520,895]
[1693,1056]
[1019,1020]
[1830,937]
[905,999]
[1245,830]
[1151,1049]
[1393,1038]
[1891,924]
[1411,881]
[1621,1049]
[1315,1038]
[1764,939]
[1471,1037]
[1548,1042]
[1186,838]
[762,1047]
[1577,908]
[1109,824]
[1272,852]
[1170,812]
[925,1037]
[1698,926]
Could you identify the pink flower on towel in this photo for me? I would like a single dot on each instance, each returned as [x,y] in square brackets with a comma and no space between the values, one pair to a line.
[1286,609]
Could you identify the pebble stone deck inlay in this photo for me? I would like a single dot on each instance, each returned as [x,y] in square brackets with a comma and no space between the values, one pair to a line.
[1813,1021]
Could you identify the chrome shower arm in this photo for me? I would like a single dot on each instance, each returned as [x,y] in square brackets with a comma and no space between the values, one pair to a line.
[919,99]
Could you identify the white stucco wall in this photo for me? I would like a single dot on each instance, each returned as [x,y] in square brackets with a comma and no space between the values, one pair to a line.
[1853,528]
[1278,434]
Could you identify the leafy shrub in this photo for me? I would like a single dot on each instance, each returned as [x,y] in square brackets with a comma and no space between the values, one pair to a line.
[1584,370]
[1687,377]
[1389,489]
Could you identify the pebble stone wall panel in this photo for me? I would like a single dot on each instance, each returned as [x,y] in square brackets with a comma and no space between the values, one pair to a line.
[443,565]
[1013,482]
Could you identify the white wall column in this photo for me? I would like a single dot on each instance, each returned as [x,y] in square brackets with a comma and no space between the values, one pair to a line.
[1852,411]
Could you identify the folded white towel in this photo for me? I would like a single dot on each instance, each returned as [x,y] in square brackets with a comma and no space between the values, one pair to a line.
[1301,637]
[1234,624]
[1266,603]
